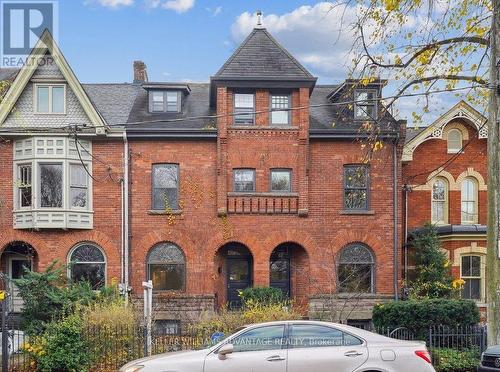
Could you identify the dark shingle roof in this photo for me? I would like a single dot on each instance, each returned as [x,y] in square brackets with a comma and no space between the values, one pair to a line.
[327,115]
[113,101]
[194,104]
[412,132]
[8,73]
[261,57]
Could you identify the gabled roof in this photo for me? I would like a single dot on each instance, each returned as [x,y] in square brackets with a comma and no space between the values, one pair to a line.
[261,57]
[46,44]
[461,110]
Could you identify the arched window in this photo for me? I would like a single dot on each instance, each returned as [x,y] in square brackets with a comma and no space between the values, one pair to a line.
[355,269]
[439,212]
[469,200]
[87,263]
[454,141]
[167,267]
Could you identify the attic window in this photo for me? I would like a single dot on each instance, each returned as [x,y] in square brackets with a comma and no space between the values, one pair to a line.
[50,99]
[164,101]
[365,104]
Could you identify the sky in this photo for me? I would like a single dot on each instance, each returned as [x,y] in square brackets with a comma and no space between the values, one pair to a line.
[189,40]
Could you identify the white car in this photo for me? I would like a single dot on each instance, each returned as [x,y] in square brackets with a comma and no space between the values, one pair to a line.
[295,346]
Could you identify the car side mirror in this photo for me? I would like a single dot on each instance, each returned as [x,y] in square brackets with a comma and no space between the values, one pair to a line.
[224,350]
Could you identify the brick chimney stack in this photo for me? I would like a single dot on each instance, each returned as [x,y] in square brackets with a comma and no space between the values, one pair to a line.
[140,72]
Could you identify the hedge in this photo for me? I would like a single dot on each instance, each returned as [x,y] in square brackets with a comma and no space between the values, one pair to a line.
[419,315]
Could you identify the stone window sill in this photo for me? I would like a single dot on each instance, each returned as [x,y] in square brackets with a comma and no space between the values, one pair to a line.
[358,212]
[162,212]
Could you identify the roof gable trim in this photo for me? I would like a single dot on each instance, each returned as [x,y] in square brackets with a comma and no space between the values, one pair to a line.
[461,110]
[44,44]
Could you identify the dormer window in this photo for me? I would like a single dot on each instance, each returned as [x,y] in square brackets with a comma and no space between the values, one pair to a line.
[50,98]
[244,107]
[164,101]
[365,104]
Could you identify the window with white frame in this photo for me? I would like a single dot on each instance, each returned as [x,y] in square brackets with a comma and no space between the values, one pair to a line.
[365,104]
[454,141]
[439,210]
[471,273]
[469,201]
[281,101]
[244,107]
[52,183]
[50,98]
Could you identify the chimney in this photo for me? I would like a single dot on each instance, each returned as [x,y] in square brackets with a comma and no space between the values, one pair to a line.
[140,72]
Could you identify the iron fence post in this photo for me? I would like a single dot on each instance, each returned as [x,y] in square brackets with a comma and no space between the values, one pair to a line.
[5,339]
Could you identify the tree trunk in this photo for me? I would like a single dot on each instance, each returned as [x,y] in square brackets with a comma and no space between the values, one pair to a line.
[492,260]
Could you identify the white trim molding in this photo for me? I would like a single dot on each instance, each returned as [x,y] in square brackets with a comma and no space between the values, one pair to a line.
[436,130]
[47,44]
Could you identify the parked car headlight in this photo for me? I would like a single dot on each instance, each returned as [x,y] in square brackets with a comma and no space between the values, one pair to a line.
[135,368]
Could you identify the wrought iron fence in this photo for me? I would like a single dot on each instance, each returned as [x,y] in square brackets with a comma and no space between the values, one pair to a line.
[112,347]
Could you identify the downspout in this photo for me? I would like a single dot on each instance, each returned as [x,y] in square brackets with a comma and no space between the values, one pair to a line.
[395,213]
[125,215]
[405,189]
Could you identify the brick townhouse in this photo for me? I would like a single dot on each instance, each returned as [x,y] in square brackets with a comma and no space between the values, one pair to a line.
[258,177]
[445,175]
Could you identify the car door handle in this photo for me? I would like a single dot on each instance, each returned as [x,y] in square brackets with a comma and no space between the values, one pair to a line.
[353,353]
[275,358]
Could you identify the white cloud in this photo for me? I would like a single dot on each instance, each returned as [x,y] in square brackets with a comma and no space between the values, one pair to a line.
[317,36]
[180,6]
[111,3]
[214,11]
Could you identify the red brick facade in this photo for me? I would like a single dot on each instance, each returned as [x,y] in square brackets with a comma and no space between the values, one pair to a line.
[431,160]
[55,244]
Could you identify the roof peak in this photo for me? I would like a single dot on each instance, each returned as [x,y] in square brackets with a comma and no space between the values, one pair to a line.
[261,56]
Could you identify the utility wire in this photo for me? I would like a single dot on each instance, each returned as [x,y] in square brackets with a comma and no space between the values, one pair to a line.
[255,112]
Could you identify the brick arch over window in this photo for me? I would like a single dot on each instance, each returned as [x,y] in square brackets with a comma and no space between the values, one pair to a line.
[383,254]
[195,268]
[470,172]
[355,265]
[456,125]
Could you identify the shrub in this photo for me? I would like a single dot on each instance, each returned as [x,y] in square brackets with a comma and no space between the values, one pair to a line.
[228,321]
[48,295]
[262,295]
[451,360]
[419,315]
[433,277]
[116,324]
[61,347]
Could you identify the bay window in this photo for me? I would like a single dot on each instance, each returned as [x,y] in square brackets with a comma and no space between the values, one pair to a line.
[52,183]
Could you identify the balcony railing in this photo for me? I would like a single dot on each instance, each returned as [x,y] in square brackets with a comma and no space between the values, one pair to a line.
[262,203]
